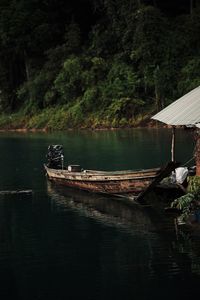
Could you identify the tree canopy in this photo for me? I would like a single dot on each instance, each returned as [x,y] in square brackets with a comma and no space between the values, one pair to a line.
[116,58]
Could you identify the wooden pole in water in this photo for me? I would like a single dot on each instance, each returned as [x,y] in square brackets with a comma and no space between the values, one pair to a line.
[173,144]
[197,152]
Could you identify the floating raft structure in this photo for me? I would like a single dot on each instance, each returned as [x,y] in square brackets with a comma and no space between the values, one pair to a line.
[7,192]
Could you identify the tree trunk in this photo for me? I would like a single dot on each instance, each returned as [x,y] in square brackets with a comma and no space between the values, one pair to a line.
[157,98]
[28,76]
[191,7]
[157,88]
[154,3]
[27,68]
[197,3]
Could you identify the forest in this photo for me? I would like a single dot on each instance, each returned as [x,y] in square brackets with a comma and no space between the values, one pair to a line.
[95,63]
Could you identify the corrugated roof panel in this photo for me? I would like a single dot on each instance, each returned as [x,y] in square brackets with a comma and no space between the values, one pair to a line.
[184,111]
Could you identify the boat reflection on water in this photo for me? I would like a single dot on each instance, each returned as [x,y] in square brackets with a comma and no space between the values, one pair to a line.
[168,245]
[107,209]
[187,247]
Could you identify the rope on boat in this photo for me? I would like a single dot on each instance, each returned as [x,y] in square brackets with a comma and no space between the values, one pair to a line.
[191,159]
[188,161]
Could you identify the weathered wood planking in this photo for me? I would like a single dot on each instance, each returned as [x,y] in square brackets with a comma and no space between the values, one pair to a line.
[117,182]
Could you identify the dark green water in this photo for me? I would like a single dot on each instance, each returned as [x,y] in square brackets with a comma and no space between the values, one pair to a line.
[60,244]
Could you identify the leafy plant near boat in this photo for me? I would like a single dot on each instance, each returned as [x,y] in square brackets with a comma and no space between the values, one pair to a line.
[194,184]
[189,203]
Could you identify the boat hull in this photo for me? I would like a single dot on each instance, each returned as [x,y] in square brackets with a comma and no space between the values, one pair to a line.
[105,182]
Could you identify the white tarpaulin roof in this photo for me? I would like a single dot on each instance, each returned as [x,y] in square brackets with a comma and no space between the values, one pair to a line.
[184,111]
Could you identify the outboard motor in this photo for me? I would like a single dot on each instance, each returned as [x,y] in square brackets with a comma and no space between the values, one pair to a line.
[55,157]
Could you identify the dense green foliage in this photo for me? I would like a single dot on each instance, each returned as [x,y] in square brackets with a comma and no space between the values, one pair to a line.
[94,63]
[189,204]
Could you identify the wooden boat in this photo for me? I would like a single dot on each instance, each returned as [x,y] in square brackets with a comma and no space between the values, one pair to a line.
[109,182]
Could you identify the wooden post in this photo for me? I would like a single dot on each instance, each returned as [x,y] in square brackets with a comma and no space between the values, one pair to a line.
[173,144]
[197,152]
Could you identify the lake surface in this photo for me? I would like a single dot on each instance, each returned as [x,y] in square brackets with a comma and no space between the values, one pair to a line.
[67,244]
